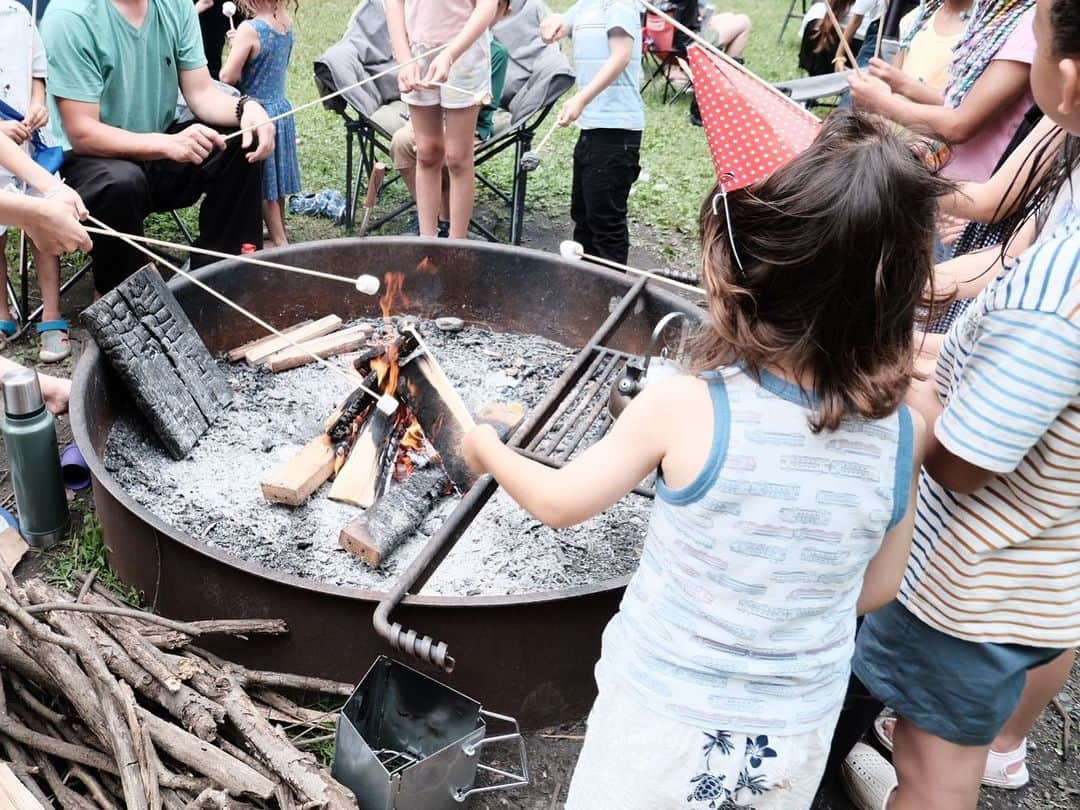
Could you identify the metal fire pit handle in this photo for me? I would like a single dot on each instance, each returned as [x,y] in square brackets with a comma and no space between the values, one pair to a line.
[515,779]
[423,647]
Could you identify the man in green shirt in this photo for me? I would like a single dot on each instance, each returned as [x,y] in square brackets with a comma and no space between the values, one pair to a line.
[115,68]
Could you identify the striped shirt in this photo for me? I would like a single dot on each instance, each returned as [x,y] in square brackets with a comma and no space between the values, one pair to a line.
[1002,565]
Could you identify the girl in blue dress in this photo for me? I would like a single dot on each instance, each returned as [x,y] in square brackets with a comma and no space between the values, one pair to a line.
[257,65]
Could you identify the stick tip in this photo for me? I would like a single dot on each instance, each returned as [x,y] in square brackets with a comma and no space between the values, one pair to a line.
[569,249]
[368,285]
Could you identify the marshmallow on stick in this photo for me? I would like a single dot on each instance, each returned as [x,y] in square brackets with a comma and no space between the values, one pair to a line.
[228,8]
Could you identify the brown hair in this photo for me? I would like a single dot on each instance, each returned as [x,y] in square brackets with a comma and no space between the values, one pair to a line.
[836,249]
[251,9]
[824,35]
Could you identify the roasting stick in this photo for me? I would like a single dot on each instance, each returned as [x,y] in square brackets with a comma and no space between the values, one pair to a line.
[530,161]
[341,91]
[369,285]
[385,403]
[573,250]
[881,28]
[843,40]
[708,46]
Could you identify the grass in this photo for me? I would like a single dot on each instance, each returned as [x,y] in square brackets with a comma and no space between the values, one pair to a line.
[85,552]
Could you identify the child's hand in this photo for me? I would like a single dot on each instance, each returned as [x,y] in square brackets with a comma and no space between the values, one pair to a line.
[553,28]
[868,93]
[203,5]
[439,70]
[18,131]
[37,116]
[571,110]
[230,34]
[408,78]
[472,447]
[66,194]
[54,229]
[896,79]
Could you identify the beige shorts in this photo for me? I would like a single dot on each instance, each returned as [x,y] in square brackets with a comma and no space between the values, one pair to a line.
[634,759]
[471,73]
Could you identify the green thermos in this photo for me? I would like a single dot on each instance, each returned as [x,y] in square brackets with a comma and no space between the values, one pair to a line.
[30,438]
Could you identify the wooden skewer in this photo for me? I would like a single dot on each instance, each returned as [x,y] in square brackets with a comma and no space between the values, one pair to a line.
[243,257]
[843,40]
[881,28]
[708,46]
[546,138]
[636,271]
[336,93]
[230,303]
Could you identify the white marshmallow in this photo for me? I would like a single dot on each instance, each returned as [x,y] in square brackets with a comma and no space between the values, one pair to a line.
[228,9]
[570,249]
[387,404]
[368,285]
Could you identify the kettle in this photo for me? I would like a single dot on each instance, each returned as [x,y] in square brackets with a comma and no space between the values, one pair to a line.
[654,366]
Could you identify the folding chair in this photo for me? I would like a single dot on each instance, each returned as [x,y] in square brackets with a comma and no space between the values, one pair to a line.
[811,90]
[537,76]
[661,54]
[791,15]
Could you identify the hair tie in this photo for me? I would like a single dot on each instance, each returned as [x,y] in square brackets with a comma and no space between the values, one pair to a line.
[722,195]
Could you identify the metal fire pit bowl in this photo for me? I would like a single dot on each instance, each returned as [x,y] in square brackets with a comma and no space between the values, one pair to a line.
[530,654]
[407,742]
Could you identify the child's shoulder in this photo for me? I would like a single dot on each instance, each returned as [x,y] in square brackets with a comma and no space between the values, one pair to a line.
[1046,277]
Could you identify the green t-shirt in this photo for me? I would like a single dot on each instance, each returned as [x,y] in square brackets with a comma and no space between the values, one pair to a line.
[95,55]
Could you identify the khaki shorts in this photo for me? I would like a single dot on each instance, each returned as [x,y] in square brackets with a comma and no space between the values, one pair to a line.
[471,73]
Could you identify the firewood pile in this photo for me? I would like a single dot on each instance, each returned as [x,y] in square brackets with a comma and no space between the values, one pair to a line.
[106,706]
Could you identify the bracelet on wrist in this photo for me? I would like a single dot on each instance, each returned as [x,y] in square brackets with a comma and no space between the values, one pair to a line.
[240,104]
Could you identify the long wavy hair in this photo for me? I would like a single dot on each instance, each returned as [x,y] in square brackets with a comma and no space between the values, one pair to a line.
[836,251]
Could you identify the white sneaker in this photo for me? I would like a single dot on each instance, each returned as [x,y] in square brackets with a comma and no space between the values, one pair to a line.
[868,777]
[996,773]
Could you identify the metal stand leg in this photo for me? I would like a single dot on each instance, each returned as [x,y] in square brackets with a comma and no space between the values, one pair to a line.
[791,15]
[517,194]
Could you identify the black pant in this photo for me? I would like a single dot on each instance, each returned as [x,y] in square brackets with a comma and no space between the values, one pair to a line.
[605,167]
[122,193]
[214,24]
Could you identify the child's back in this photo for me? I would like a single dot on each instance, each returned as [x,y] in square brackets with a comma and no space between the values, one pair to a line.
[742,613]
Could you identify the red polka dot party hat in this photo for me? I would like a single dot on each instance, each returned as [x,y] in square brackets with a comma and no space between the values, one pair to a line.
[752,130]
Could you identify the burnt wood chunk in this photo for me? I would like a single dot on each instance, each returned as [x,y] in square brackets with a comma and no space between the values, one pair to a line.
[370,464]
[441,414]
[394,517]
[160,358]
[292,482]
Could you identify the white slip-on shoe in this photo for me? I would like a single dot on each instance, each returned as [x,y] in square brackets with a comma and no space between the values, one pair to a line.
[868,777]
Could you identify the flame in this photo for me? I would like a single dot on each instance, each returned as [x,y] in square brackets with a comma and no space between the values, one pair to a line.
[394,296]
[414,437]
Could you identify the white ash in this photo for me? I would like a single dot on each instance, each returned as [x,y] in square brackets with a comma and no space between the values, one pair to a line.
[214,494]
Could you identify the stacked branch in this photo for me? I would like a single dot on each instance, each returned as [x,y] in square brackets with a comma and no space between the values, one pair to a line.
[106,706]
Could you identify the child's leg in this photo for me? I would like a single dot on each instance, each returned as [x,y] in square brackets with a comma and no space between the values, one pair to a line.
[611,169]
[1042,685]
[430,154]
[732,32]
[460,134]
[582,234]
[5,310]
[275,223]
[934,774]
[48,274]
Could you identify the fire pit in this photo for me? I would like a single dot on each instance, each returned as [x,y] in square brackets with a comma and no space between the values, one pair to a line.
[529,654]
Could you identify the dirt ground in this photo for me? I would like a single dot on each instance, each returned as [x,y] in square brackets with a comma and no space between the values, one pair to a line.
[1055,783]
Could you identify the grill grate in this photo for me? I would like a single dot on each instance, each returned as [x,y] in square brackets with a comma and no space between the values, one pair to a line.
[395,761]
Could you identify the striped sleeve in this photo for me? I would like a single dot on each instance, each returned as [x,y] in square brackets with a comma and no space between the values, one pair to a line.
[1023,371]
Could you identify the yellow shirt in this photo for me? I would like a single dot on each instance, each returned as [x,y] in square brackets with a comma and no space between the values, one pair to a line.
[928,56]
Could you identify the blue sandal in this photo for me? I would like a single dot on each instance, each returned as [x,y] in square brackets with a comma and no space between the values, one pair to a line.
[8,328]
[55,345]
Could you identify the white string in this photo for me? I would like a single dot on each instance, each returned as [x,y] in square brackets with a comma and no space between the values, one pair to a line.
[246,259]
[228,302]
[336,93]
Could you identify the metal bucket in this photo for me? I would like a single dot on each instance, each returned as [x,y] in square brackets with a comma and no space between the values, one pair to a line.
[407,742]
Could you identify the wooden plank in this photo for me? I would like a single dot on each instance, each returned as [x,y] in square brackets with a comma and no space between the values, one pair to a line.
[160,359]
[237,354]
[292,482]
[395,516]
[369,465]
[346,340]
[323,326]
[14,792]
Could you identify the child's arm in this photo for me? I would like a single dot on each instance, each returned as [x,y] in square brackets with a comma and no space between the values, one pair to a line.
[999,87]
[912,89]
[245,45]
[478,23]
[556,26]
[37,114]
[967,275]
[995,199]
[594,480]
[409,75]
[622,51]
[885,573]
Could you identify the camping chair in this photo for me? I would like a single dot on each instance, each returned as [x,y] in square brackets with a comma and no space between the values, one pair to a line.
[538,74]
[661,54]
[791,15]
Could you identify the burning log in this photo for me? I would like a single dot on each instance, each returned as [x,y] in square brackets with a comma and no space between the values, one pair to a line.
[394,517]
[370,464]
[161,360]
[82,706]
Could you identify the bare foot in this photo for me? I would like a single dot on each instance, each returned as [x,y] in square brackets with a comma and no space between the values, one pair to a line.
[56,391]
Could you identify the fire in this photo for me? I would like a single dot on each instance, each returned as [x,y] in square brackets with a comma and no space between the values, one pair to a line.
[394,295]
[414,437]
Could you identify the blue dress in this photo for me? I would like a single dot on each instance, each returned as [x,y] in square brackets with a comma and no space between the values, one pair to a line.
[263,79]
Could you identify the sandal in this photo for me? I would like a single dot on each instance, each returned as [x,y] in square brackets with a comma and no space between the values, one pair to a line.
[868,778]
[996,774]
[55,345]
[8,329]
